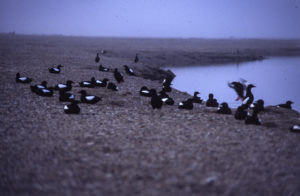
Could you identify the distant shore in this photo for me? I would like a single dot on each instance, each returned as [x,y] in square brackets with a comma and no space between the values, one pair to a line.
[159,52]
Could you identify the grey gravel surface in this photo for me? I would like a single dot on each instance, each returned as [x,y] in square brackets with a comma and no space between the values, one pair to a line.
[120,146]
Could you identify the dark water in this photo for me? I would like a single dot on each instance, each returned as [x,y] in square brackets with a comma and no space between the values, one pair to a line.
[277,80]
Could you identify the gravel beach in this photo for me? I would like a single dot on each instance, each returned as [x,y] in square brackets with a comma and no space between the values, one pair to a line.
[121,146]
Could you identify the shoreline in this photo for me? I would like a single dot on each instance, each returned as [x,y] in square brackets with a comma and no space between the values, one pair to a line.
[121,146]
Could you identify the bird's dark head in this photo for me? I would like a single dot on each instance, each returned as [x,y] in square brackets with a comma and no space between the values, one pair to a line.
[289,102]
[251,86]
[225,105]
[116,69]
[17,75]
[196,93]
[125,66]
[260,102]
[69,82]
[153,92]
[210,96]
[59,66]
[93,79]
[105,80]
[44,83]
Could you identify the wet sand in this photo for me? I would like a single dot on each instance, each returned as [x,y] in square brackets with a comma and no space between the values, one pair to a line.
[121,146]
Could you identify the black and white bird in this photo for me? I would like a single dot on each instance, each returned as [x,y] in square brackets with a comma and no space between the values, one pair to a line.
[188,104]
[212,102]
[253,119]
[258,105]
[45,92]
[295,129]
[65,96]
[104,69]
[72,108]
[136,59]
[112,86]
[287,105]
[23,79]
[97,59]
[99,83]
[129,70]
[167,81]
[224,109]
[88,98]
[118,76]
[249,95]
[64,87]
[42,90]
[241,112]
[156,101]
[37,87]
[166,98]
[196,99]
[145,92]
[55,70]
[87,84]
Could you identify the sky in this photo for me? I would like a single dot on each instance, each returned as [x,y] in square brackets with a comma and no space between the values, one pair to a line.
[153,18]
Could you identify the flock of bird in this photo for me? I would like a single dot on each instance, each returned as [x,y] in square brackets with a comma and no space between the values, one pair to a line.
[247,111]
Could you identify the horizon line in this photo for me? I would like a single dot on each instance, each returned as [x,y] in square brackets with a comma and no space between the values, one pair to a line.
[152,37]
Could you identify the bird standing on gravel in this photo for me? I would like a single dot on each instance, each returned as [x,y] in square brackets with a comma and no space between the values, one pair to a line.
[211,102]
[99,83]
[88,84]
[128,70]
[253,119]
[195,98]
[241,113]
[258,105]
[55,70]
[64,87]
[72,108]
[65,96]
[156,101]
[136,59]
[88,98]
[188,104]
[112,86]
[145,92]
[287,105]
[118,76]
[295,129]
[36,87]
[224,109]
[166,98]
[97,59]
[23,79]
[104,69]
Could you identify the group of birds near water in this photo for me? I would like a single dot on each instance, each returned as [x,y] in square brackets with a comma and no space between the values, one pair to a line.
[247,111]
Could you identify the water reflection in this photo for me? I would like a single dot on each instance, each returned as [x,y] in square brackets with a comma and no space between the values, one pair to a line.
[277,80]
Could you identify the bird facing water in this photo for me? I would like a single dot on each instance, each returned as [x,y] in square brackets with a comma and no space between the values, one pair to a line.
[97,59]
